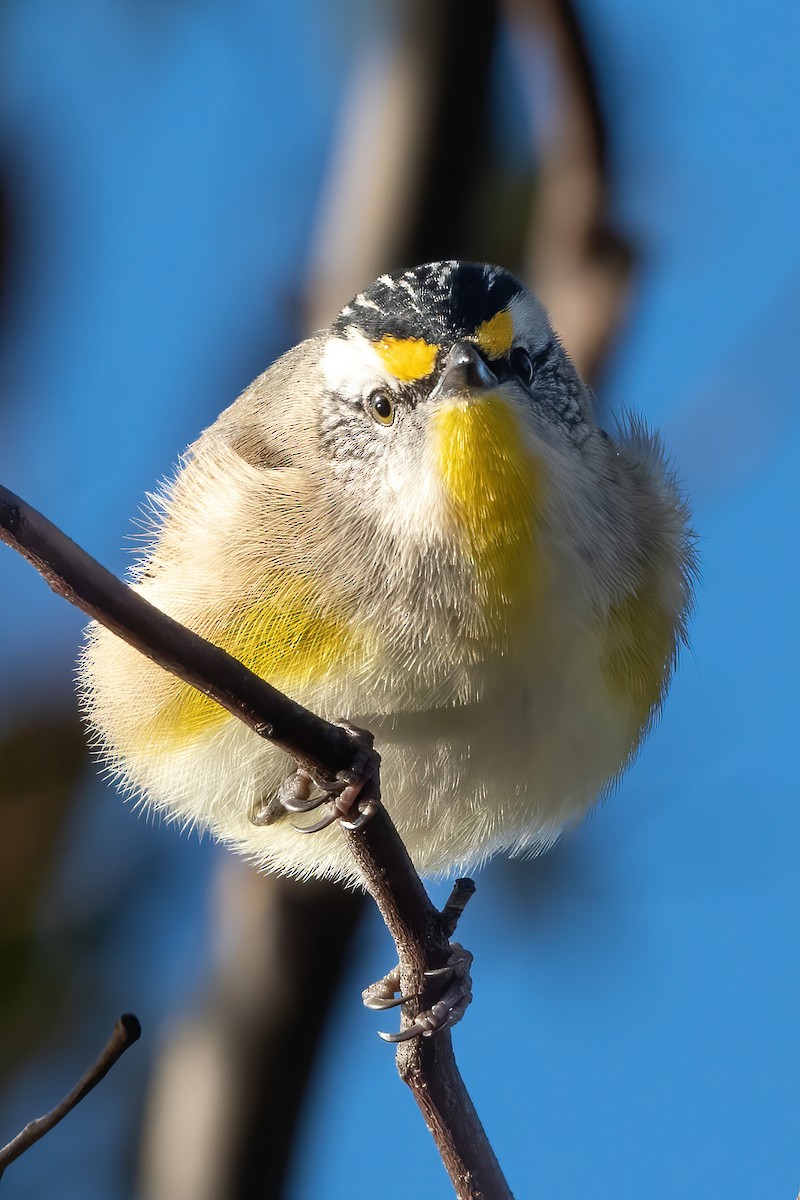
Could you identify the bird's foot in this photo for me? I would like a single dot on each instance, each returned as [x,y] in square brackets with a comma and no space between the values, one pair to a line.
[444,1013]
[301,792]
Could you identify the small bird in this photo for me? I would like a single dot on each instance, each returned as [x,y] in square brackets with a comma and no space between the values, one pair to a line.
[411,521]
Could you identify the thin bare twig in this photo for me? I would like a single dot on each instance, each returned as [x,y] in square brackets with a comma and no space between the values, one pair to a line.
[420,932]
[126,1031]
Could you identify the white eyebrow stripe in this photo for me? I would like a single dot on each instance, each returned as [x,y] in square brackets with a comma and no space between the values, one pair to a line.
[351,368]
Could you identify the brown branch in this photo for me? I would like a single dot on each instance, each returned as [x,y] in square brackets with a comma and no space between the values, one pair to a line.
[126,1031]
[420,932]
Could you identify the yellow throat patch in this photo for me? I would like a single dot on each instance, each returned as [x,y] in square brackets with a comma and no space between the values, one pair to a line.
[494,485]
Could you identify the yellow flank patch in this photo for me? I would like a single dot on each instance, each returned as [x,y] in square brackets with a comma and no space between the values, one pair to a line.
[494,485]
[406,358]
[496,335]
[287,639]
[640,651]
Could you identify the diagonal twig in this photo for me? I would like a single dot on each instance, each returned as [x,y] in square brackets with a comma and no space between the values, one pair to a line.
[420,932]
[126,1031]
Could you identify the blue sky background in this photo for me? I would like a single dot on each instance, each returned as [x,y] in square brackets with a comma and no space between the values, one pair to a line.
[635,1023]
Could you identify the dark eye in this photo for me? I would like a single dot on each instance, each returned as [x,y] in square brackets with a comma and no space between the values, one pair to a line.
[380,407]
[521,364]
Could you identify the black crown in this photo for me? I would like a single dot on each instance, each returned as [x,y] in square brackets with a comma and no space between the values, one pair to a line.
[439,302]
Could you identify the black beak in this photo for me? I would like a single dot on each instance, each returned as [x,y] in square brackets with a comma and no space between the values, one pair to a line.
[465,370]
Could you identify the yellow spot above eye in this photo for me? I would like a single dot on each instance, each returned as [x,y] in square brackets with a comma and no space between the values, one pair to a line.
[496,335]
[406,358]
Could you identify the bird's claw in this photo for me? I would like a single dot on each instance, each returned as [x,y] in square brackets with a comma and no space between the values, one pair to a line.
[383,993]
[297,795]
[301,792]
[343,805]
[366,811]
[446,1012]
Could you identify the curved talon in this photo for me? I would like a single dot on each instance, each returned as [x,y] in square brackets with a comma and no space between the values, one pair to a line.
[446,1012]
[383,990]
[323,824]
[379,1004]
[364,817]
[302,782]
[333,787]
[405,1035]
[295,793]
[301,806]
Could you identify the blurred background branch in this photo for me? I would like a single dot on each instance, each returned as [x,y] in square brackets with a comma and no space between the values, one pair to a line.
[576,258]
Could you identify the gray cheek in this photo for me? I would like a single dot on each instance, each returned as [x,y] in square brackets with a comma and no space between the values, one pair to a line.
[357,446]
[346,437]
